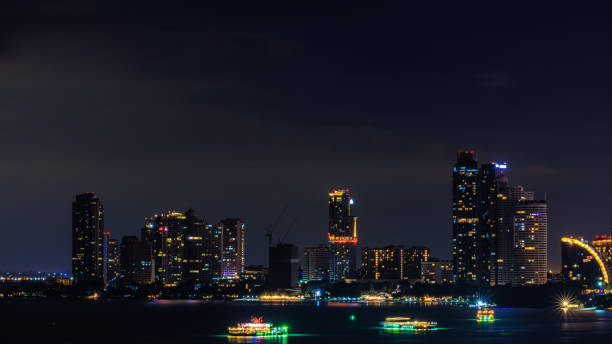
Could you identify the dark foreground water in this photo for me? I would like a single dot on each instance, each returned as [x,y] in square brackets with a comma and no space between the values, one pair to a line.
[54,321]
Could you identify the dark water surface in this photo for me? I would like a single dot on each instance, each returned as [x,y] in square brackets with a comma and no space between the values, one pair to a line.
[63,321]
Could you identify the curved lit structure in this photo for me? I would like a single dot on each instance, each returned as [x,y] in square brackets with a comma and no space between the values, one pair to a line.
[593,253]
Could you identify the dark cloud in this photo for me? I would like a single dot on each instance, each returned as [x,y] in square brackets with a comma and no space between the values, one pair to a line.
[237,110]
[493,80]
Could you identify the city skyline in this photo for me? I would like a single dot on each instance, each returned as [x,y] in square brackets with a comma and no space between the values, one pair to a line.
[237,111]
[518,190]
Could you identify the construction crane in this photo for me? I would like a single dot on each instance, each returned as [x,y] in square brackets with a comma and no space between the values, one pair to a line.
[271,228]
[282,239]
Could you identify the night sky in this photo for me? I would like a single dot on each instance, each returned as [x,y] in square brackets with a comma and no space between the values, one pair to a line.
[241,110]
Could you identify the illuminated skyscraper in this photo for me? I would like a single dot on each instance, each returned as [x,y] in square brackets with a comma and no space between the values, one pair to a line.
[489,175]
[382,263]
[393,262]
[113,259]
[87,239]
[165,234]
[342,236]
[213,253]
[530,240]
[136,264]
[232,261]
[105,244]
[316,263]
[507,199]
[466,215]
[437,272]
[194,269]
[603,245]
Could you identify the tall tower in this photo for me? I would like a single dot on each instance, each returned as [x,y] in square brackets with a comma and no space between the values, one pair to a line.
[530,243]
[492,180]
[342,236]
[87,239]
[508,197]
[232,262]
[194,270]
[466,215]
[213,252]
[316,263]
[165,235]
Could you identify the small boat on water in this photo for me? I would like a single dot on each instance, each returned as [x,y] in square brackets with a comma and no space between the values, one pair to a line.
[405,323]
[257,328]
[485,314]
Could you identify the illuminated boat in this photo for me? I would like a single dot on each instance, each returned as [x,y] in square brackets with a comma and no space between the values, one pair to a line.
[485,314]
[404,323]
[257,328]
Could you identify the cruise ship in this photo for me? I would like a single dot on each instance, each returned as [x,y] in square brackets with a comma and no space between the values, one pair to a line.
[405,323]
[485,314]
[257,328]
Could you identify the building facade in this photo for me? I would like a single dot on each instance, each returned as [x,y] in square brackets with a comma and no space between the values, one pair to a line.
[194,270]
[136,264]
[393,262]
[603,245]
[165,234]
[213,254]
[465,217]
[530,243]
[87,239]
[283,266]
[232,261]
[412,258]
[437,272]
[382,263]
[507,199]
[578,266]
[113,260]
[342,236]
[316,263]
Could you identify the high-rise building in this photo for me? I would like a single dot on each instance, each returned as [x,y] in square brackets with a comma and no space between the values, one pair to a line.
[578,266]
[255,277]
[411,260]
[393,262]
[530,242]
[507,199]
[466,215]
[342,236]
[213,253]
[195,273]
[87,239]
[484,231]
[437,272]
[137,265]
[603,245]
[113,259]
[283,266]
[232,261]
[316,263]
[165,234]
[382,263]
[491,179]
[105,244]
